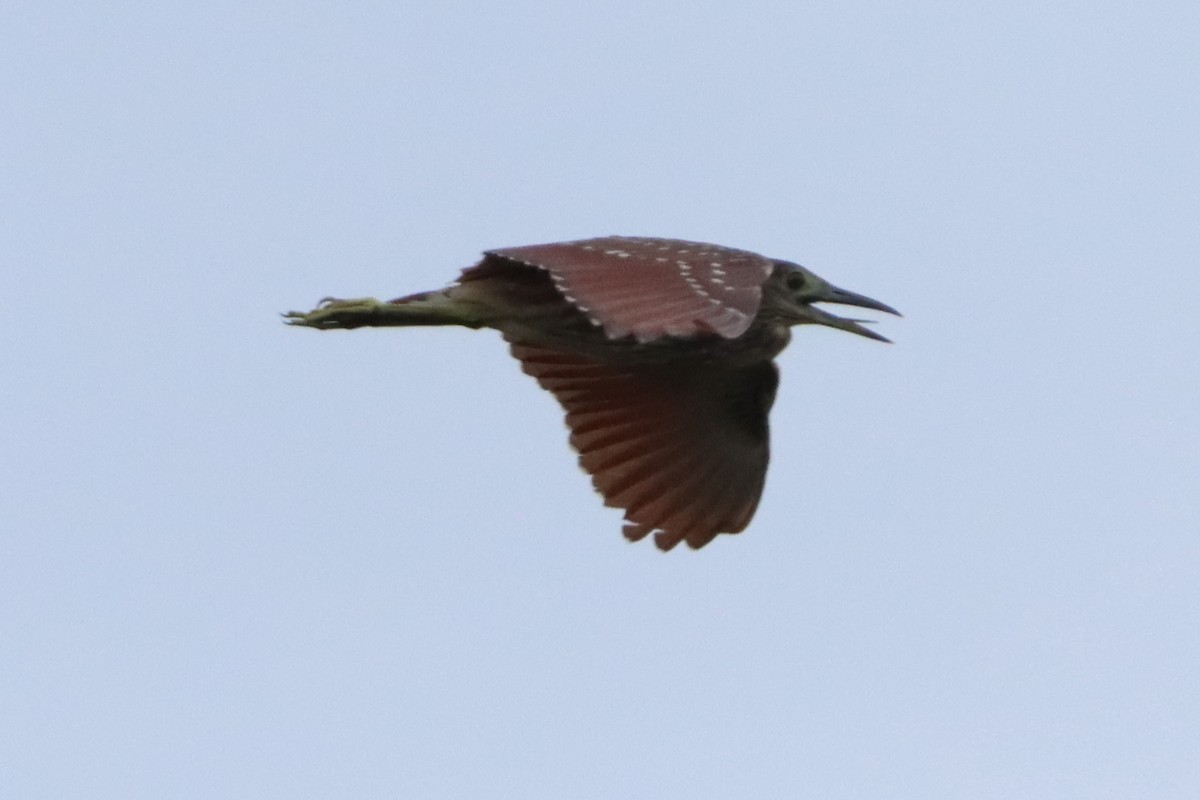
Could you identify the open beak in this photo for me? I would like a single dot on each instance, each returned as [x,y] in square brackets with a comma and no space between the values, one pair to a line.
[847,298]
[816,316]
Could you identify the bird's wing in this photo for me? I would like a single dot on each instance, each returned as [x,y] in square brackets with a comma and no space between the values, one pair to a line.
[682,449]
[650,288]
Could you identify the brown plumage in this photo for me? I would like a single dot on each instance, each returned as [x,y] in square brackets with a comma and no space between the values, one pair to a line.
[659,351]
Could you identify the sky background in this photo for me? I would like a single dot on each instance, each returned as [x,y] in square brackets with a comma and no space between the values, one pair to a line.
[244,560]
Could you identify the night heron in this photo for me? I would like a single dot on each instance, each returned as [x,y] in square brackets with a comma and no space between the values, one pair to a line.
[660,352]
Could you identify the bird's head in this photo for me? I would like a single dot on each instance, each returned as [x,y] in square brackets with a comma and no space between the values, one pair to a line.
[804,288]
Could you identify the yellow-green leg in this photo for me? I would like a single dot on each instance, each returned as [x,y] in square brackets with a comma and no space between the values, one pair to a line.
[425,308]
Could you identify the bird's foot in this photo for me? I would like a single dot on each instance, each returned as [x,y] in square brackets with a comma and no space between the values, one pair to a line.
[333,313]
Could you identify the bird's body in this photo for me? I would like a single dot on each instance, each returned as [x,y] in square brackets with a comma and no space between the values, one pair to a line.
[660,352]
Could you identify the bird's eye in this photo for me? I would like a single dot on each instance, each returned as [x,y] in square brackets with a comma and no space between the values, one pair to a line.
[795,281]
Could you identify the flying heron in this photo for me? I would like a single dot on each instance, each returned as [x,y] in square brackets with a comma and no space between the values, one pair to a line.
[660,352]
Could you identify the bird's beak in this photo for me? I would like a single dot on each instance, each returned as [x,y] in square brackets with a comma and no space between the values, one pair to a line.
[847,298]
[816,316]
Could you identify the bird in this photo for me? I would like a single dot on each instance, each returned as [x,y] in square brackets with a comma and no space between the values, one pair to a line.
[660,352]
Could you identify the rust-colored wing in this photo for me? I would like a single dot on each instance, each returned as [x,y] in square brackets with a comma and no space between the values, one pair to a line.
[683,449]
[652,288]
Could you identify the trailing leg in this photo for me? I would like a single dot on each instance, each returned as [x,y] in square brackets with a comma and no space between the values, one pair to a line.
[423,308]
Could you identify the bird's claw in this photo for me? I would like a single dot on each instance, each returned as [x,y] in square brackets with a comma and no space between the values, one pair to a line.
[332,313]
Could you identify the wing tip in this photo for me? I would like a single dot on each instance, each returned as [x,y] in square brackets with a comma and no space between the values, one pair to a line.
[635,532]
[666,541]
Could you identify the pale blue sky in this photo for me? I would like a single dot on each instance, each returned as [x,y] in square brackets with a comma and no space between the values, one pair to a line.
[241,560]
